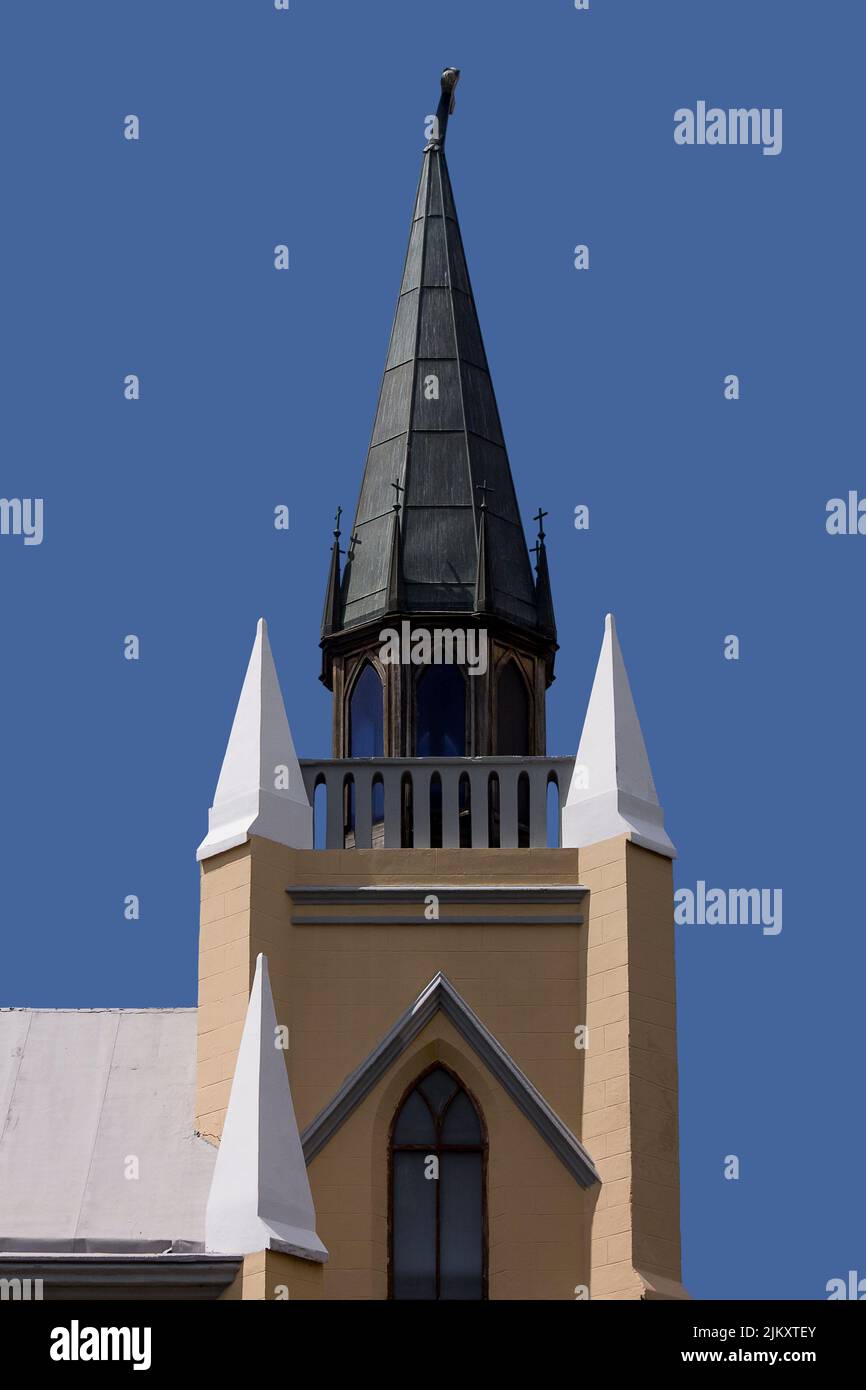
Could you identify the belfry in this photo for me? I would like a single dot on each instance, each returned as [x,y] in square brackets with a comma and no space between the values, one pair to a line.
[434,1055]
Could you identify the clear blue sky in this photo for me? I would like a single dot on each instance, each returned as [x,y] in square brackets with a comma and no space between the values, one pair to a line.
[258,388]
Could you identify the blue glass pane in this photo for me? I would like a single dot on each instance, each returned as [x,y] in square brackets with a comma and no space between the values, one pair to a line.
[461,1122]
[461,1232]
[415,1124]
[366,717]
[414,1237]
[438,1087]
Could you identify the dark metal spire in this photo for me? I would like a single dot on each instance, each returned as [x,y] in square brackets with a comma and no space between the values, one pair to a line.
[396,602]
[437,432]
[543,594]
[332,615]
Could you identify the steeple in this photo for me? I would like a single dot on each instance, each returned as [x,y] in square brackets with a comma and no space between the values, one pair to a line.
[437,540]
[437,432]
[331,612]
[612,790]
[261,788]
[260,1195]
[483,583]
[543,594]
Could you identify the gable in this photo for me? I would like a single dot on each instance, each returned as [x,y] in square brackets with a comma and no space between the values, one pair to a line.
[440,995]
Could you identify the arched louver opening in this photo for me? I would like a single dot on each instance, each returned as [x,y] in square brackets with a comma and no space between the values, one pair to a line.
[377,810]
[554,832]
[523,811]
[493,810]
[512,713]
[464,811]
[407,812]
[348,811]
[440,713]
[320,813]
[435,811]
[438,1198]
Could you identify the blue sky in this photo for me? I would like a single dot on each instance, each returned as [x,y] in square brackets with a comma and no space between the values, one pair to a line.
[258,388]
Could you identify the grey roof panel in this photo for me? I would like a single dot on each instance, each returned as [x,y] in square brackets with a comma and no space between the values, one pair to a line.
[440,545]
[423,189]
[405,330]
[368,572]
[84,1092]
[438,470]
[471,348]
[435,253]
[384,464]
[459,274]
[444,411]
[437,336]
[392,417]
[482,416]
[412,269]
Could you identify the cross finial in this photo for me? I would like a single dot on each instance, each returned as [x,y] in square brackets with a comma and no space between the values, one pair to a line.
[337,515]
[398,488]
[483,489]
[539,517]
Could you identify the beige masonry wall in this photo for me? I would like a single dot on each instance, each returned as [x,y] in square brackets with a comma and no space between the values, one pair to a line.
[340,988]
[538,1215]
[269,1275]
[630,1098]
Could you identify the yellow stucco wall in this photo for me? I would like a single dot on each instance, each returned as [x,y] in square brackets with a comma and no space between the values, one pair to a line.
[340,988]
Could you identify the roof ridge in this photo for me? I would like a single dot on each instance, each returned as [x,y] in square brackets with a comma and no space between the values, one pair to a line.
[99,1009]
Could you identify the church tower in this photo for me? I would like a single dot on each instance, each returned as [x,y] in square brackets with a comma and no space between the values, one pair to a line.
[472,1092]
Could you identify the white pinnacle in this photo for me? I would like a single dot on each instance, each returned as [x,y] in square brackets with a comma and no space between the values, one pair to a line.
[260,789]
[612,790]
[260,1195]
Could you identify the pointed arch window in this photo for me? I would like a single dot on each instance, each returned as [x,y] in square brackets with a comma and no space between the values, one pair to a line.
[438,1198]
[440,713]
[512,713]
[367,716]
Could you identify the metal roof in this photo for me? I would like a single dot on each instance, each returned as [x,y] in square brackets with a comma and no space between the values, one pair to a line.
[82,1091]
[437,461]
